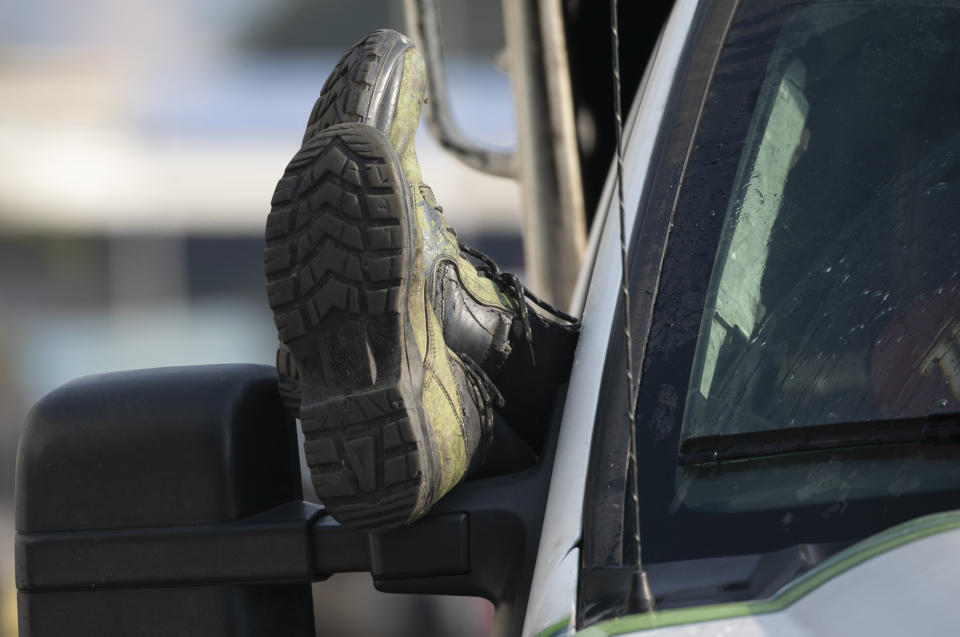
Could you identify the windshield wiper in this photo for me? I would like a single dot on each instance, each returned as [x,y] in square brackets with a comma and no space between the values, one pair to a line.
[939,428]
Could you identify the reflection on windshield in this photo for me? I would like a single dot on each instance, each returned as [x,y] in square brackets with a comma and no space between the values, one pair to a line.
[835,295]
[738,303]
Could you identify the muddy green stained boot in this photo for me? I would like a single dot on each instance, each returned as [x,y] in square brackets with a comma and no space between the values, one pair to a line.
[483,313]
[381,81]
[392,417]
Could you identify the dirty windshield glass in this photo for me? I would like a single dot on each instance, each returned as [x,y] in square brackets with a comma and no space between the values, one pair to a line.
[812,277]
[835,295]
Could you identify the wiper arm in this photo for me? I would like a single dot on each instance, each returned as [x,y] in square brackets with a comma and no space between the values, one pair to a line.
[939,428]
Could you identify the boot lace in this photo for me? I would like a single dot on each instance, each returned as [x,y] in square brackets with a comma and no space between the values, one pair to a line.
[488,394]
[510,282]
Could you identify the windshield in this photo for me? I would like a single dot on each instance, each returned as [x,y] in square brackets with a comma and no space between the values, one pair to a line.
[835,292]
[812,276]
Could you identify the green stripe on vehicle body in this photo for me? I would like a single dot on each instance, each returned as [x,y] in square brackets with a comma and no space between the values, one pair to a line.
[839,563]
[557,629]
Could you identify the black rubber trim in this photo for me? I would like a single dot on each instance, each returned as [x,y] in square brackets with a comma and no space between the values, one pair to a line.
[293,542]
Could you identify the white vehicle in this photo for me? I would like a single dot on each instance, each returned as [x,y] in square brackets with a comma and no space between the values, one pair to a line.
[792,209]
[792,187]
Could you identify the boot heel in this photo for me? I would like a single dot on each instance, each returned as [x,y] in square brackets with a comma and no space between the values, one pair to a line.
[364,458]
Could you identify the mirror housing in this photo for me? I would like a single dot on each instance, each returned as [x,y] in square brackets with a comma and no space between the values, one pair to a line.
[168,501]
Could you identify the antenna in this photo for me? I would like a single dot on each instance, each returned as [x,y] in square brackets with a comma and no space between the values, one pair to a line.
[639,598]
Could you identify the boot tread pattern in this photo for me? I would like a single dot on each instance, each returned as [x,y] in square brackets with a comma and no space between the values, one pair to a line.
[347,92]
[334,262]
[320,252]
[363,457]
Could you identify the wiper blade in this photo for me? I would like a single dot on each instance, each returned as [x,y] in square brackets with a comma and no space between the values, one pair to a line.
[939,428]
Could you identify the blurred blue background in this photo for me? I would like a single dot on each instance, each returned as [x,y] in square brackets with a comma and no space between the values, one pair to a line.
[140,143]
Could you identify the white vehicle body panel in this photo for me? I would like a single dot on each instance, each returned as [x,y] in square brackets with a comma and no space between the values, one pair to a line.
[554,589]
[910,589]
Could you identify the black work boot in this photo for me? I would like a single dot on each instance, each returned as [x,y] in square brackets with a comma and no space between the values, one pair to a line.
[380,77]
[392,417]
[483,313]
[381,81]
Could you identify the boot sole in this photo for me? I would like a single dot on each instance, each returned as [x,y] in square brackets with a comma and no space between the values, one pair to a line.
[337,263]
[364,85]
[357,90]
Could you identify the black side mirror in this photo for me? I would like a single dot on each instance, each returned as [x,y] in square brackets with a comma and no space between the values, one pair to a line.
[168,502]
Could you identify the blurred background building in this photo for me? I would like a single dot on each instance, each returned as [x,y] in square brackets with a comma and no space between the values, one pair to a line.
[140,142]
